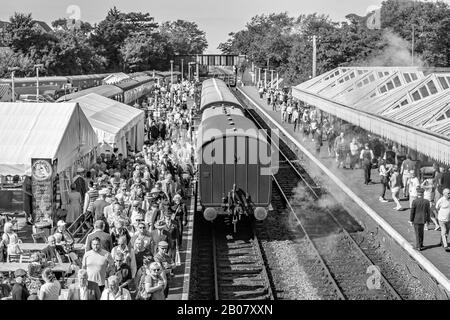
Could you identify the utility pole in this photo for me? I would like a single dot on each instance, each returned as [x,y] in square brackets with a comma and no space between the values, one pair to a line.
[277,80]
[412,46]
[37,67]
[13,70]
[198,70]
[171,72]
[314,57]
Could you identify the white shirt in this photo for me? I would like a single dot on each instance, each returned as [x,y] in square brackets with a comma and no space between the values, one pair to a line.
[122,294]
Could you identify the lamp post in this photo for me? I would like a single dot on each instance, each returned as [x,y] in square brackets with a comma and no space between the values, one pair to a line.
[37,67]
[13,69]
[182,69]
[171,72]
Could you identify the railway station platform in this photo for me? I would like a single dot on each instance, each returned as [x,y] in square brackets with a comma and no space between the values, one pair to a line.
[433,257]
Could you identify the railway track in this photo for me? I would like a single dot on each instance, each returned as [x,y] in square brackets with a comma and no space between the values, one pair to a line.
[232,265]
[346,271]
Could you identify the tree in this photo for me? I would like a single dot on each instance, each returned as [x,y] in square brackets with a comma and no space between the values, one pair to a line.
[184,37]
[70,24]
[9,59]
[110,34]
[146,51]
[20,34]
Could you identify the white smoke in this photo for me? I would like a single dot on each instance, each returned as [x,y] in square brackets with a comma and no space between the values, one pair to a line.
[396,53]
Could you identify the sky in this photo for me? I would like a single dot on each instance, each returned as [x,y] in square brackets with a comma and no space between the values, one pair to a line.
[216,17]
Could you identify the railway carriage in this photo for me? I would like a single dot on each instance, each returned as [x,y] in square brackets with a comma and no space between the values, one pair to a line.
[233,158]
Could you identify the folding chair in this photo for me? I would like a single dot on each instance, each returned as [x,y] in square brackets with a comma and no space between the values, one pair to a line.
[39,235]
[13,258]
[25,257]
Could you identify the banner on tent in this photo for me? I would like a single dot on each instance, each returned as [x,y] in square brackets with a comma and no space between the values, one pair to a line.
[42,175]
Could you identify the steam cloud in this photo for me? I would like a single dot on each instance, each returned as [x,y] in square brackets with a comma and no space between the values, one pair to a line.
[396,53]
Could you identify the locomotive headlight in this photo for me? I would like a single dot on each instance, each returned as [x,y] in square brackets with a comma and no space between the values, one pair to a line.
[260,213]
[210,214]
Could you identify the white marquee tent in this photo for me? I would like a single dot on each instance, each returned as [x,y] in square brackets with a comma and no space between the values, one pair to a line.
[114,122]
[43,130]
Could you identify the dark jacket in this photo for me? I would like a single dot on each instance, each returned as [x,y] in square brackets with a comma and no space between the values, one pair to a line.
[105,240]
[19,292]
[420,211]
[51,253]
[93,291]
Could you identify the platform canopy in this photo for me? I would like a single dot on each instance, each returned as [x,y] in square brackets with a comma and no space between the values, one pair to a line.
[408,105]
[113,121]
[42,130]
[115,78]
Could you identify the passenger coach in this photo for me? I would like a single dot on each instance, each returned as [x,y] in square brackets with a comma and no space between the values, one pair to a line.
[234,158]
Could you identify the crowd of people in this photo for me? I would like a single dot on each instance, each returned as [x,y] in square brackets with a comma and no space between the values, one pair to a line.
[353,148]
[136,205]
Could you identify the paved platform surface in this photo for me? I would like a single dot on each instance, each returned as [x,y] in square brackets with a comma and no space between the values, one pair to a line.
[354,179]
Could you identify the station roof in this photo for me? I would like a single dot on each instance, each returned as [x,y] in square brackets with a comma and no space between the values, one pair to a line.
[408,105]
[105,90]
[42,130]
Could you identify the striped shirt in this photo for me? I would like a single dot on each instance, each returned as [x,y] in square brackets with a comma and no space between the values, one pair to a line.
[93,195]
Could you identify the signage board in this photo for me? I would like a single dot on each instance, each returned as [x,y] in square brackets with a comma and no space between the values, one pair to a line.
[42,187]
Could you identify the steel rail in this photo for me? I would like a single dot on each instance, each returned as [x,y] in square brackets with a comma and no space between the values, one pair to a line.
[393,292]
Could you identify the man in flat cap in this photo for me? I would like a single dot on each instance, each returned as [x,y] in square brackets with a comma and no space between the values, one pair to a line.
[420,214]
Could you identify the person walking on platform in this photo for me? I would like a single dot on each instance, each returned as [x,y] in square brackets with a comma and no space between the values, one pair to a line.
[384,177]
[318,141]
[283,112]
[407,167]
[295,118]
[261,92]
[396,184]
[331,137]
[443,209]
[414,183]
[429,193]
[419,216]
[366,156]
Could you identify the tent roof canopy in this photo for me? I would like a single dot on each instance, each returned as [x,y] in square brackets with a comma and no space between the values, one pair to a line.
[109,116]
[42,130]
